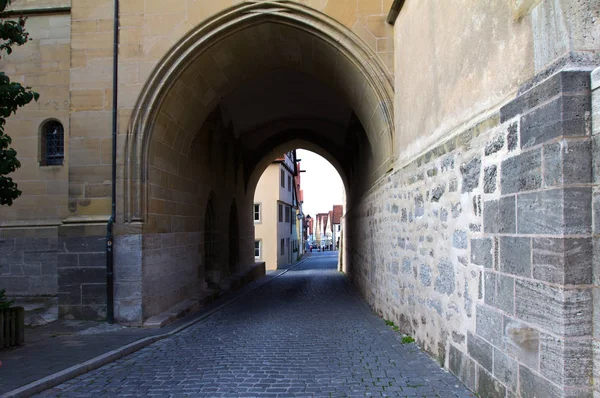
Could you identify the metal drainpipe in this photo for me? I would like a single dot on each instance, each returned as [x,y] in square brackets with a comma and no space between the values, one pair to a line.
[110,313]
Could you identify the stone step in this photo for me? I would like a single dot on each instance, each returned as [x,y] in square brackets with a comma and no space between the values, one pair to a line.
[179,310]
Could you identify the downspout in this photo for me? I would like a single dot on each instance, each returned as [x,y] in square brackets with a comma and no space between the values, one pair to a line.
[110,313]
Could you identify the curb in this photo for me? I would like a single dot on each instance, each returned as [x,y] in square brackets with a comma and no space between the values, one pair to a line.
[77,370]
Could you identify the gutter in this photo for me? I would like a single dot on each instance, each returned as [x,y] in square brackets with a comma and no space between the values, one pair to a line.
[110,313]
[395,11]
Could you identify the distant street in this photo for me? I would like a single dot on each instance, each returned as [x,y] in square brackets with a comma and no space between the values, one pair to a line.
[306,334]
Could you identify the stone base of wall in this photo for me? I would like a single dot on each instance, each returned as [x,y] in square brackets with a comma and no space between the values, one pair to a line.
[156,272]
[28,261]
[81,258]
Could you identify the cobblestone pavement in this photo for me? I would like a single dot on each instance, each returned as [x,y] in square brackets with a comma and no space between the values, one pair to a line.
[306,334]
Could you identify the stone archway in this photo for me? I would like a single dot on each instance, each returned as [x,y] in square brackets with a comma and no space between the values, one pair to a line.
[225,96]
[364,77]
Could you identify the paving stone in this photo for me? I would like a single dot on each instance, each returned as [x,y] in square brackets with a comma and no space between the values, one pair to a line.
[308,333]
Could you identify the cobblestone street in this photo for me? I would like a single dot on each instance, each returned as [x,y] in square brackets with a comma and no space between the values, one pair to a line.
[305,334]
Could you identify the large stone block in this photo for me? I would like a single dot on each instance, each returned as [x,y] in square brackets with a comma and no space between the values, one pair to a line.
[555,212]
[481,252]
[75,277]
[562,260]
[515,255]
[36,244]
[487,386]
[82,244]
[596,212]
[561,117]
[567,162]
[93,294]
[562,82]
[489,287]
[489,324]
[522,342]
[499,216]
[480,350]
[463,367]
[522,172]
[7,245]
[566,362]
[505,293]
[506,369]
[566,312]
[532,385]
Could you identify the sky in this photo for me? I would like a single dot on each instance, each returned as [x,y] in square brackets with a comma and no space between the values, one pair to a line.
[321,184]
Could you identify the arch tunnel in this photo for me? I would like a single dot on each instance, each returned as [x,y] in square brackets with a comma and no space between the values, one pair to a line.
[238,91]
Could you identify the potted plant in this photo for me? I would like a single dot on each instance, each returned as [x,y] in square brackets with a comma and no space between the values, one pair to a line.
[12,323]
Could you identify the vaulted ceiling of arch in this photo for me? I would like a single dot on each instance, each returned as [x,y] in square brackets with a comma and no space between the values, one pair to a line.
[267,74]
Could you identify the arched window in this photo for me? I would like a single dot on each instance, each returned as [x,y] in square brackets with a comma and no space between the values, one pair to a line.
[52,144]
[234,237]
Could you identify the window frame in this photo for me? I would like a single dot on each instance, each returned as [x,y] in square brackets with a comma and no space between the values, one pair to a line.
[58,158]
[259,248]
[259,213]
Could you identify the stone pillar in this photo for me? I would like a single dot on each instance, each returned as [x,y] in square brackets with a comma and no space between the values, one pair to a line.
[538,296]
[595,85]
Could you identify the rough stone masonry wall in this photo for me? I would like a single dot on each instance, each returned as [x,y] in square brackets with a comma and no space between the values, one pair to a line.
[481,249]
[596,221]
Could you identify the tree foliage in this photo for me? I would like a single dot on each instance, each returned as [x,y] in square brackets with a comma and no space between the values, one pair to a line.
[12,96]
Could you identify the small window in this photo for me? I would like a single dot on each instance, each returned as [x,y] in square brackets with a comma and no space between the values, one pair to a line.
[257,212]
[287,214]
[52,144]
[282,247]
[280,213]
[289,184]
[257,249]
[282,178]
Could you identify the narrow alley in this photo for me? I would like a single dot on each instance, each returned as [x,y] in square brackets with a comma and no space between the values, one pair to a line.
[306,333]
